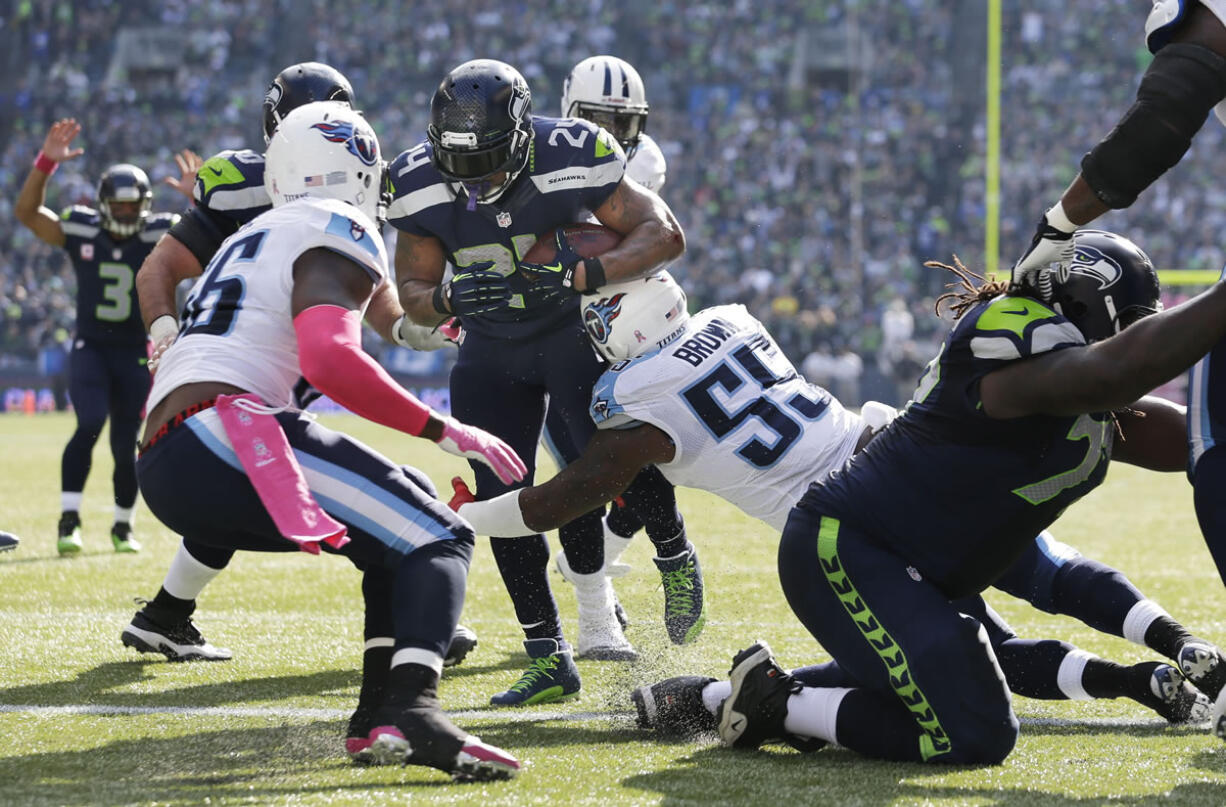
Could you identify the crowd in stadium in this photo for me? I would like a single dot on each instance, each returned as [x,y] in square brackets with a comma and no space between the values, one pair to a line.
[814,206]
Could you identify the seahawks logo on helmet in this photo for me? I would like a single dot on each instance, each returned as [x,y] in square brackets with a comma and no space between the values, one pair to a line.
[355,140]
[598,316]
[1095,264]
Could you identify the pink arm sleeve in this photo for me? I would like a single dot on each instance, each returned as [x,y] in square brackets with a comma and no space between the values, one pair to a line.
[331,358]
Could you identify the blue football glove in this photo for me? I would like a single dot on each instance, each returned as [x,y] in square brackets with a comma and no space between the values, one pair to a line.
[557,276]
[475,290]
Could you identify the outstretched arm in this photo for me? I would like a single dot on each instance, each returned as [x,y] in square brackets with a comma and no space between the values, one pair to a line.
[29,208]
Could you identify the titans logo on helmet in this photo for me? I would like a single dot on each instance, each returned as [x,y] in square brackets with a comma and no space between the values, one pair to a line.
[358,144]
[598,316]
[1093,263]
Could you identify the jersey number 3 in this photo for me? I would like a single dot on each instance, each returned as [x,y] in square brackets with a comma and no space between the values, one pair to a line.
[215,301]
[721,423]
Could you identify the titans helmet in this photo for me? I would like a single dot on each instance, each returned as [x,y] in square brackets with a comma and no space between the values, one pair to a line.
[1109,284]
[625,320]
[607,91]
[326,150]
[124,183]
[301,84]
[481,126]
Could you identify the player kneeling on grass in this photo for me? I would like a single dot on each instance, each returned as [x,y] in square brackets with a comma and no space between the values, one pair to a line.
[1015,419]
[226,460]
[771,435]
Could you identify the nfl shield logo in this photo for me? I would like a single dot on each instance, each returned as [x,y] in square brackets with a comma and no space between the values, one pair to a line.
[116,254]
[87,252]
[503,219]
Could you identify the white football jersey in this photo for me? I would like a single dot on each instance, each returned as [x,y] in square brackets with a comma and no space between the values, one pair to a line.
[647,165]
[237,325]
[746,426]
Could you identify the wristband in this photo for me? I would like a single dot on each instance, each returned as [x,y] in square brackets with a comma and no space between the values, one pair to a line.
[45,164]
[1057,218]
[439,298]
[594,275]
[498,516]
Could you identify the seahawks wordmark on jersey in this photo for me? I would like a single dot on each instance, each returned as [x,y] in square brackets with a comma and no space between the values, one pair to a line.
[958,493]
[745,425]
[573,167]
[237,326]
[107,309]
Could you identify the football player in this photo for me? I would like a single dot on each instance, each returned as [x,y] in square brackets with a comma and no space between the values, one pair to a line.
[229,192]
[8,541]
[1183,83]
[107,373]
[489,180]
[714,402]
[283,299]
[609,92]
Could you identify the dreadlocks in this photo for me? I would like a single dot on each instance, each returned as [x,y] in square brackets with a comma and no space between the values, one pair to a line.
[964,292]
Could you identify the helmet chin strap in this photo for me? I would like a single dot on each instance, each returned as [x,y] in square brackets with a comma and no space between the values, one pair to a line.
[474,190]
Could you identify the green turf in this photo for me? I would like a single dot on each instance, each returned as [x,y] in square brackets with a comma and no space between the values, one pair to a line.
[294,623]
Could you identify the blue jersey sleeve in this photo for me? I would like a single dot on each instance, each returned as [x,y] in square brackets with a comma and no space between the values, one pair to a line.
[418,190]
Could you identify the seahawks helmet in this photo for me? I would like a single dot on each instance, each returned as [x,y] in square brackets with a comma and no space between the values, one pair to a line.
[301,84]
[326,150]
[625,320]
[1107,286]
[124,183]
[607,91]
[480,127]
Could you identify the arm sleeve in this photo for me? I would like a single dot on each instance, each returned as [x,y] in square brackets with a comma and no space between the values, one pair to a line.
[331,358]
[202,232]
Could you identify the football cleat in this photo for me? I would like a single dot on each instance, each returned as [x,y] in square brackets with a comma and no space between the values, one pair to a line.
[601,636]
[674,707]
[122,539]
[357,736]
[463,641]
[754,712]
[8,541]
[69,541]
[1202,664]
[174,637]
[423,735]
[552,676]
[1163,688]
[685,612]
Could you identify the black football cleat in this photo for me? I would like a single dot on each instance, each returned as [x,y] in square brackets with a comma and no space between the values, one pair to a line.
[754,713]
[674,707]
[175,637]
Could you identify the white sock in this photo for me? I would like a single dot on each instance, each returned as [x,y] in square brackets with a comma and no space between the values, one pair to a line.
[71,500]
[415,655]
[1068,677]
[714,693]
[593,590]
[814,712]
[614,546]
[1140,617]
[123,515]
[187,576]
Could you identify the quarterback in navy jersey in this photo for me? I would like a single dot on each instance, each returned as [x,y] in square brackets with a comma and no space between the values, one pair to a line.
[490,179]
[228,192]
[1013,422]
[107,373]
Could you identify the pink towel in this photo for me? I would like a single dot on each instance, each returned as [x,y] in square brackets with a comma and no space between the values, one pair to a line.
[269,461]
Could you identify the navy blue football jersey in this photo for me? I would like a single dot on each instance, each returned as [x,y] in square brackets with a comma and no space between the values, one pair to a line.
[107,308]
[229,192]
[573,167]
[955,492]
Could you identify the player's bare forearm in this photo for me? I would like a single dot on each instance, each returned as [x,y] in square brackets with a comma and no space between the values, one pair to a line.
[651,233]
[1080,203]
[383,311]
[31,212]
[1113,373]
[606,468]
[420,264]
[169,263]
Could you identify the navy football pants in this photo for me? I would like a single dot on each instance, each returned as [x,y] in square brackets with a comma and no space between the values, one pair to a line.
[104,380]
[929,686]
[413,550]
[1206,457]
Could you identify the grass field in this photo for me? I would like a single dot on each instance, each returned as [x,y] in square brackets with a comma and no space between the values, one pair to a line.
[84,720]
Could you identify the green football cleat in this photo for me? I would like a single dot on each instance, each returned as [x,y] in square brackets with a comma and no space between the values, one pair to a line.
[552,676]
[123,540]
[69,541]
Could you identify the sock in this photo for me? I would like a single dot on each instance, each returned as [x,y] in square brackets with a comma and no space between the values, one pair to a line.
[673,546]
[187,577]
[376,666]
[1042,668]
[172,608]
[714,693]
[814,712]
[123,515]
[411,684]
[70,501]
[1105,679]
[593,590]
[1147,624]
[521,562]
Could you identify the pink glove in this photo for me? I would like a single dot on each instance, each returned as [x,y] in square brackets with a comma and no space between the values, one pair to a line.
[475,444]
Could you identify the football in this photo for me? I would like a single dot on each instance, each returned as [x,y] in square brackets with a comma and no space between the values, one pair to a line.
[589,240]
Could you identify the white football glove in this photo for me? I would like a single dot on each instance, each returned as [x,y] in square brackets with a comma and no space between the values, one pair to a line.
[418,337]
[1052,245]
[163,333]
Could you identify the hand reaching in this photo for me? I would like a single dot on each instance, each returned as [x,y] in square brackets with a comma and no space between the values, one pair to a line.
[57,145]
[189,163]
[1049,246]
[475,444]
